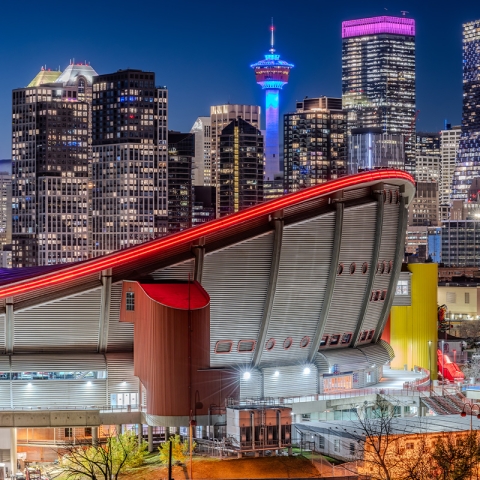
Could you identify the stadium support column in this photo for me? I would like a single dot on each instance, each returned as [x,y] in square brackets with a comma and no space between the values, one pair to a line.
[272,285]
[398,260]
[272,149]
[150,439]
[322,320]
[371,276]
[13,450]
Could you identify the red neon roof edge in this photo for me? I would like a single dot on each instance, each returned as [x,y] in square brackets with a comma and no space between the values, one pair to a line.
[154,246]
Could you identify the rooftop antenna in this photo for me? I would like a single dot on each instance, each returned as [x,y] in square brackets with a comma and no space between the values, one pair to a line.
[272,28]
[404,13]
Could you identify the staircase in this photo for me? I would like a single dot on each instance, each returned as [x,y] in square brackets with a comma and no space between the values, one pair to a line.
[444,405]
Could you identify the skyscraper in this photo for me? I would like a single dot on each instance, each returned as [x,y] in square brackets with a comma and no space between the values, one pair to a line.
[378,75]
[315,143]
[202,166]
[449,141]
[181,150]
[129,168]
[241,167]
[468,159]
[51,151]
[220,117]
[370,148]
[272,74]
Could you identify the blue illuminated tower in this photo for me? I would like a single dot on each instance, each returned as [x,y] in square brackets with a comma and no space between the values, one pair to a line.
[272,74]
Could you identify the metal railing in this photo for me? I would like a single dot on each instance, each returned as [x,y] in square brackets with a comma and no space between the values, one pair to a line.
[100,408]
[411,391]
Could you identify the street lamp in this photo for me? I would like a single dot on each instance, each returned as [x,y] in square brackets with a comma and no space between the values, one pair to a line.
[430,363]
[471,407]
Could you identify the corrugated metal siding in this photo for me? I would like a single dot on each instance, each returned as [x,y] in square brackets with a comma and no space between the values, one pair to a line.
[322,364]
[376,354]
[60,325]
[120,334]
[404,300]
[357,193]
[58,363]
[302,280]
[253,387]
[357,247]
[291,381]
[386,254]
[120,370]
[5,394]
[237,279]
[4,363]
[388,348]
[180,271]
[347,359]
[2,333]
[58,393]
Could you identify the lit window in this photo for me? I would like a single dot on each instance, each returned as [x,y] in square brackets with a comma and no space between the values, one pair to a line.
[402,287]
[130,301]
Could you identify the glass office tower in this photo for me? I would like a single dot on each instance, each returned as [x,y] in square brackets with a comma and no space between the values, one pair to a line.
[378,76]
[468,159]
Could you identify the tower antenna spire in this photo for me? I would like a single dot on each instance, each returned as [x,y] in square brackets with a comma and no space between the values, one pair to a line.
[272,28]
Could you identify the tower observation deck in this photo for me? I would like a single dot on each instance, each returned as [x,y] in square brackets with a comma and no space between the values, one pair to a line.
[272,74]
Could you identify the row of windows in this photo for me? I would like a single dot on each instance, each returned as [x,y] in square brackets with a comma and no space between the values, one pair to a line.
[382,267]
[248,346]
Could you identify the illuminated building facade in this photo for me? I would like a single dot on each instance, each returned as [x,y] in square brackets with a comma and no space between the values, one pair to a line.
[51,152]
[371,148]
[220,117]
[5,207]
[315,143]
[241,167]
[424,209]
[129,168]
[272,74]
[449,141]
[202,162]
[468,160]
[378,75]
[181,150]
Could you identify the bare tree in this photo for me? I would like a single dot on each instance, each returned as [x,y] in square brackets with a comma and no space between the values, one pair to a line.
[106,460]
[455,457]
[470,331]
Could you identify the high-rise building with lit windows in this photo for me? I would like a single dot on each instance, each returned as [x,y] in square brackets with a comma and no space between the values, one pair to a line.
[378,76]
[315,143]
[240,179]
[468,159]
[449,142]
[51,151]
[220,117]
[129,167]
[272,74]
[202,162]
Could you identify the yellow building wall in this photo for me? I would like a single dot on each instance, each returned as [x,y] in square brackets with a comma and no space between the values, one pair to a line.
[411,328]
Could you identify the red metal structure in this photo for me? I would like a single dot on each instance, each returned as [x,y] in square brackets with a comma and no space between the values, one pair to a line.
[448,369]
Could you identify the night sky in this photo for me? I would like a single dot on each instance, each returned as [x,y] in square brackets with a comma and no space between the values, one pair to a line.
[202,50]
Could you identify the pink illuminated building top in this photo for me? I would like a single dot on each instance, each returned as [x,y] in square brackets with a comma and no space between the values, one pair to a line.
[377,25]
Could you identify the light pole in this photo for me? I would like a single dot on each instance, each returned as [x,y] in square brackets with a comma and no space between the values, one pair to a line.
[471,407]
[430,363]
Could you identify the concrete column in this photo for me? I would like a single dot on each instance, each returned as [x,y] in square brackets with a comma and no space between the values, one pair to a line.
[140,433]
[94,435]
[118,429]
[13,450]
[150,438]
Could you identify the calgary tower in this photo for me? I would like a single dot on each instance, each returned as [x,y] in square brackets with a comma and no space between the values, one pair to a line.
[272,74]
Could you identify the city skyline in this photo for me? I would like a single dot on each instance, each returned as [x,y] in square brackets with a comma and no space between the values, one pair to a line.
[184,40]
